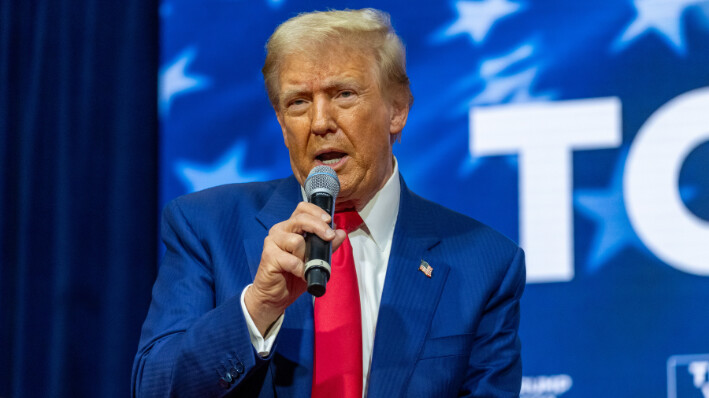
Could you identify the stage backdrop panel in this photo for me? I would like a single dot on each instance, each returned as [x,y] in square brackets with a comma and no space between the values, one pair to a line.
[577,128]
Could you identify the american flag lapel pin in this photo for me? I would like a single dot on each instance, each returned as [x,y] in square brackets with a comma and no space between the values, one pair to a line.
[426,268]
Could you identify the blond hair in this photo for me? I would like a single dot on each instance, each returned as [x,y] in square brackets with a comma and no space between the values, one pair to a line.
[367,28]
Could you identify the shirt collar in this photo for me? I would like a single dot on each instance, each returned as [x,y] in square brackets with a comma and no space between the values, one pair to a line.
[380,213]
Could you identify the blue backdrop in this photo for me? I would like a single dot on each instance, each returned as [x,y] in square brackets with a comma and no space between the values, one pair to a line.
[579,129]
[78,193]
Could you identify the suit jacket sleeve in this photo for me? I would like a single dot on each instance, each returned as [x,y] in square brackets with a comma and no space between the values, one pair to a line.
[495,365]
[188,343]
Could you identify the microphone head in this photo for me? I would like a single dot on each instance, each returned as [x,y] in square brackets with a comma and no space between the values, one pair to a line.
[322,179]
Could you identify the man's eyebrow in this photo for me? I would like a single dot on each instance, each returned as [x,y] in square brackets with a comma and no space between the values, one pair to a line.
[292,92]
[341,83]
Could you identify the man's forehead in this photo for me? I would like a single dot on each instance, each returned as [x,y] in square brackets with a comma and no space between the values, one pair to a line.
[329,56]
[299,82]
[305,71]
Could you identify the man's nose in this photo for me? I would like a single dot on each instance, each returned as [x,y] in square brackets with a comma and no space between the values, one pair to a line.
[322,121]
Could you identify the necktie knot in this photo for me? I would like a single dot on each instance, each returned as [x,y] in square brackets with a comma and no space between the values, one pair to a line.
[349,220]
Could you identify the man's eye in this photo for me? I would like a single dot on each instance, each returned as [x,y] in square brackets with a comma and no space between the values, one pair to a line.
[346,94]
[296,102]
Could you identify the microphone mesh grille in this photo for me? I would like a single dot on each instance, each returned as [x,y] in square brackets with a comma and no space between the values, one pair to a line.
[322,179]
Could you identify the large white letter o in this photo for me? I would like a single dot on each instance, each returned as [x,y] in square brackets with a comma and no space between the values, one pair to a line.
[651,183]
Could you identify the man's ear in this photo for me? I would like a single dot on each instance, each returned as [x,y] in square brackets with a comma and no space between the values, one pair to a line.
[399,114]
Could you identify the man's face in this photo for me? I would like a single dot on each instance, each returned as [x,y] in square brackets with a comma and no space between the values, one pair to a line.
[333,112]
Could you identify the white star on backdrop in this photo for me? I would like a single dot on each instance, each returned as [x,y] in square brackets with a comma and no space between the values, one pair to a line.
[226,170]
[175,80]
[664,17]
[476,18]
[513,88]
[516,87]
[493,66]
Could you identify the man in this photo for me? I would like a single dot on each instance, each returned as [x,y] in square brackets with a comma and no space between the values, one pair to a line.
[438,292]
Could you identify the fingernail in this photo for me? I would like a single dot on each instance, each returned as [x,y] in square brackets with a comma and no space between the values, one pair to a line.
[330,233]
[325,217]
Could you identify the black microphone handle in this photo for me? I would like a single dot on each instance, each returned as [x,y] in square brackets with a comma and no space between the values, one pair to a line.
[317,271]
[318,251]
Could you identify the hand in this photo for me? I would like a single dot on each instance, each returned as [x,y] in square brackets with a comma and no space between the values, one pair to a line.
[280,278]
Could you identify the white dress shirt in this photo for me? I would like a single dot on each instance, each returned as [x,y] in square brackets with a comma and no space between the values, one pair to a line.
[371,246]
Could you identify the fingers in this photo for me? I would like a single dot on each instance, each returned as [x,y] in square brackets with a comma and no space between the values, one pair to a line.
[288,242]
[309,208]
[291,264]
[307,218]
[280,277]
[288,260]
[340,236]
[287,238]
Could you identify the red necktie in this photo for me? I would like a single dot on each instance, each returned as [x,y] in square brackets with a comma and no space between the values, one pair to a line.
[338,324]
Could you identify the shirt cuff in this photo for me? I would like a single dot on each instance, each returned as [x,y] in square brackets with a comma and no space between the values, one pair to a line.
[262,344]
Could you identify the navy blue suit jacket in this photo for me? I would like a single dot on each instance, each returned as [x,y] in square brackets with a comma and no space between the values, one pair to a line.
[449,335]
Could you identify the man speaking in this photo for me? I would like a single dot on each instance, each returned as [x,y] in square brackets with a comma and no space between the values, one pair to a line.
[421,301]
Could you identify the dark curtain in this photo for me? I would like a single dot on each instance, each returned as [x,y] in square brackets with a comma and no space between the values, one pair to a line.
[78,192]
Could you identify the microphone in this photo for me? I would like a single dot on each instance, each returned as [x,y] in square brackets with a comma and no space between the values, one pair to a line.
[321,189]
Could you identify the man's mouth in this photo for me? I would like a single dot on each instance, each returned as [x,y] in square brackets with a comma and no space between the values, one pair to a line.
[331,158]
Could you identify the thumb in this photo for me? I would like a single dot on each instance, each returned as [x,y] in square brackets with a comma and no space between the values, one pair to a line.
[340,236]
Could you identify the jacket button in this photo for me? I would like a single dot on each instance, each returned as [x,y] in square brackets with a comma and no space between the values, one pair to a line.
[233,373]
[227,377]
[223,383]
[240,367]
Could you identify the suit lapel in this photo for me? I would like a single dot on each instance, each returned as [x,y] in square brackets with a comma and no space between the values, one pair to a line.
[408,301]
[293,358]
[280,205]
